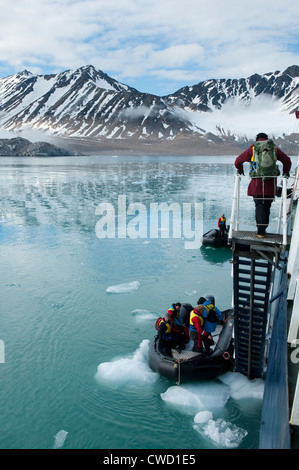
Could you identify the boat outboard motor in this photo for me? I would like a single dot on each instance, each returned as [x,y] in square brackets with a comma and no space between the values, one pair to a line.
[185,313]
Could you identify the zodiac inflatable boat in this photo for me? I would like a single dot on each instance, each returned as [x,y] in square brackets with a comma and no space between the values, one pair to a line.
[213,238]
[187,365]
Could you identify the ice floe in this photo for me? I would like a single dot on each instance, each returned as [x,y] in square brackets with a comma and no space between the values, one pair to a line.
[141,315]
[206,399]
[241,387]
[197,397]
[203,416]
[222,433]
[60,437]
[123,288]
[190,292]
[128,370]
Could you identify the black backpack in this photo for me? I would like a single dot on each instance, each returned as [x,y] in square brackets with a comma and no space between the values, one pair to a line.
[212,315]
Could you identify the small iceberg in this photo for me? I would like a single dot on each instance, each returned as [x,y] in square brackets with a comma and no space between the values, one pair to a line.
[141,315]
[222,433]
[123,288]
[128,371]
[190,292]
[241,387]
[59,439]
[197,397]
[203,417]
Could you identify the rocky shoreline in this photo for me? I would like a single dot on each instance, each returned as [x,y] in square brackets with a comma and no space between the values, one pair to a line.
[20,147]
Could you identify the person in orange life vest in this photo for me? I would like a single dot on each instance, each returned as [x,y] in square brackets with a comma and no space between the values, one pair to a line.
[263,192]
[222,224]
[178,326]
[196,328]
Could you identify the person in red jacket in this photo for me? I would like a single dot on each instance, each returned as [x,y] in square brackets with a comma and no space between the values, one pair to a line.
[196,328]
[262,191]
[222,225]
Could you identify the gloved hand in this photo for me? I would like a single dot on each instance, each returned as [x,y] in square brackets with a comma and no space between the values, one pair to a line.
[240,172]
[286,175]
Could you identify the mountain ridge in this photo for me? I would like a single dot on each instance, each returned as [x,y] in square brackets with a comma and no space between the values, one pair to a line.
[88,104]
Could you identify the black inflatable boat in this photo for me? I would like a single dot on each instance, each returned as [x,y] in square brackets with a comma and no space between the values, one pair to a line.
[187,365]
[214,238]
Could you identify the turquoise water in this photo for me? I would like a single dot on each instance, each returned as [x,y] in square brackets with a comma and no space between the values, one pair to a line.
[75,354]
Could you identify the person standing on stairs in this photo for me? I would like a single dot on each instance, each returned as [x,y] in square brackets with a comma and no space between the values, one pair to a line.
[263,155]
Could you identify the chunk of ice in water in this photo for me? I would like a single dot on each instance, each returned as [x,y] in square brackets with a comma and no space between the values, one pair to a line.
[241,387]
[141,314]
[59,439]
[203,416]
[123,288]
[190,292]
[222,433]
[198,397]
[128,370]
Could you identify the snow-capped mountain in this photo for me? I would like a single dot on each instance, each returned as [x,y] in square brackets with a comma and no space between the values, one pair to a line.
[213,94]
[88,103]
[240,106]
[84,103]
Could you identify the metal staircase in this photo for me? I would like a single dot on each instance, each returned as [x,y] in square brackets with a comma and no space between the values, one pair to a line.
[252,278]
[254,262]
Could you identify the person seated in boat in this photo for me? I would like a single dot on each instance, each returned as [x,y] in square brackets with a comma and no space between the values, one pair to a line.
[178,326]
[211,315]
[165,331]
[222,225]
[174,311]
[197,332]
[168,335]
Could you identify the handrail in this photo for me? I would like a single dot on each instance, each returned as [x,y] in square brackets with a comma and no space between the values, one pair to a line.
[235,212]
[235,207]
[284,212]
[279,216]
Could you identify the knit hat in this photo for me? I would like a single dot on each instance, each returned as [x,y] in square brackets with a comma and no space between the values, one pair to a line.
[261,135]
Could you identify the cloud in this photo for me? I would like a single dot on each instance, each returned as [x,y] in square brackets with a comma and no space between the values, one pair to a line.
[239,118]
[166,40]
[135,113]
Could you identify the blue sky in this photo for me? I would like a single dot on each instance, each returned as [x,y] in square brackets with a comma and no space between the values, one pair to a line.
[156,46]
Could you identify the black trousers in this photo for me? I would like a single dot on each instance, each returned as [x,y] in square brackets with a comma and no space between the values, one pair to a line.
[208,343]
[262,213]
